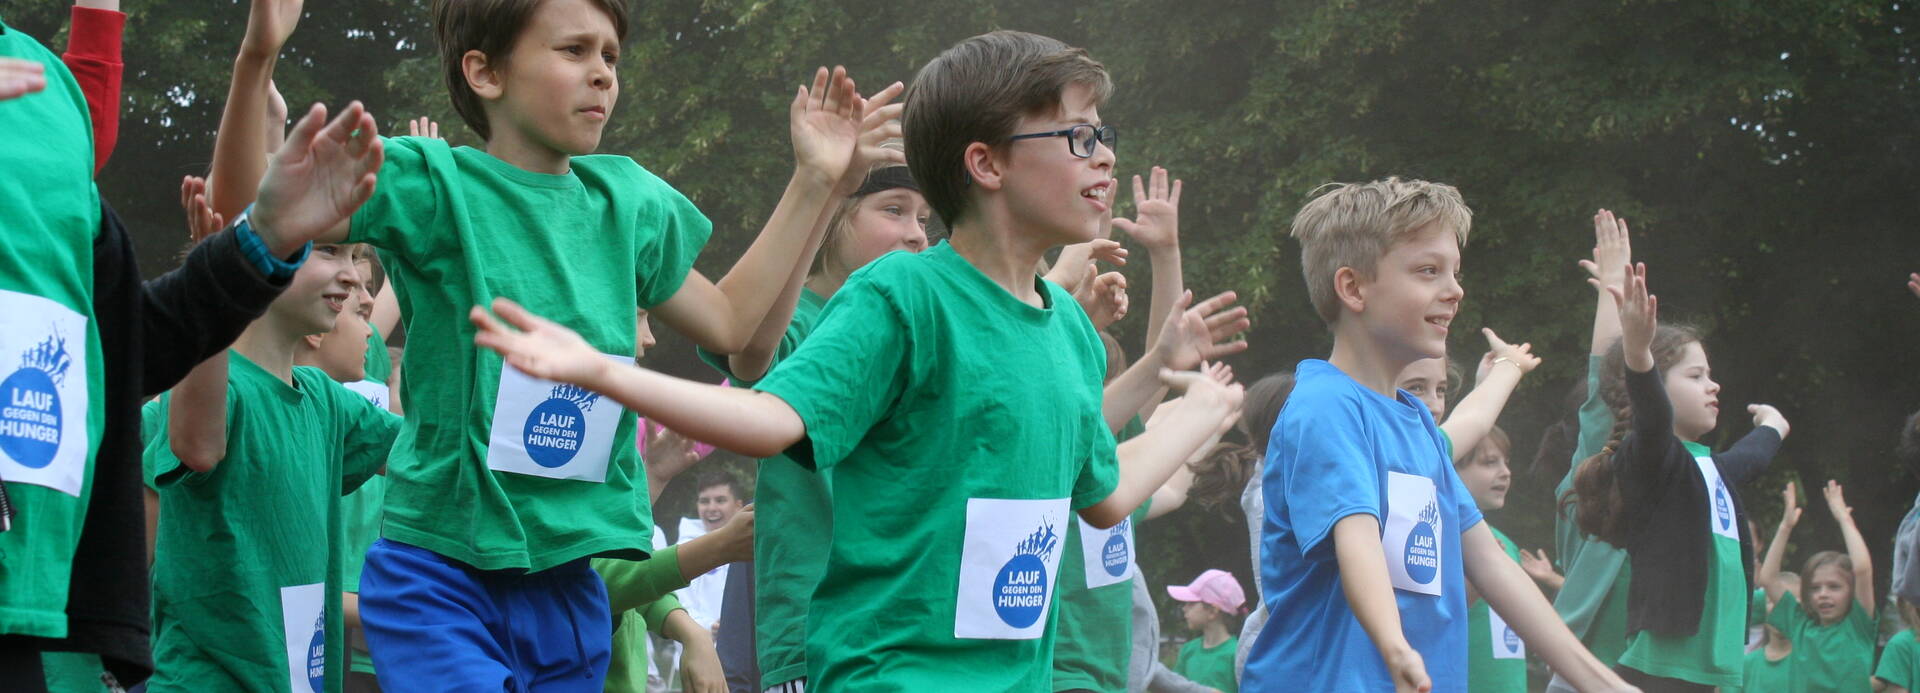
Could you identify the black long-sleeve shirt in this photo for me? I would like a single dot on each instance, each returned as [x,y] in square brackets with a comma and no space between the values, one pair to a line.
[1668,537]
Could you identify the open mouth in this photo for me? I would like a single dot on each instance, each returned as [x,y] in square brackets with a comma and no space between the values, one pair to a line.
[1098,194]
[335,302]
[1440,321]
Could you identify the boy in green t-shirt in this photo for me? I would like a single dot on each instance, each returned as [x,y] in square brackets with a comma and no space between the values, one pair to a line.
[256,483]
[1496,657]
[1207,604]
[1771,667]
[1899,669]
[952,399]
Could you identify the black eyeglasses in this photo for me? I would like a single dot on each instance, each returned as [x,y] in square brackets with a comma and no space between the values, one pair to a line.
[1080,138]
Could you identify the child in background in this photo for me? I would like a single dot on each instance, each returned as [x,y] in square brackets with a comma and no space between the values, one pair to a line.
[1496,657]
[1465,424]
[1369,535]
[1775,666]
[1899,668]
[1209,605]
[1833,631]
[1672,502]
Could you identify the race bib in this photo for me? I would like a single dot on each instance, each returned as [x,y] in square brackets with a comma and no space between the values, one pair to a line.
[303,614]
[1719,500]
[1412,532]
[1007,567]
[1107,553]
[43,393]
[1506,643]
[555,430]
[374,391]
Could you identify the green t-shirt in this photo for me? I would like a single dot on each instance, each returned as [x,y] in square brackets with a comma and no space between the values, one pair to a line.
[360,510]
[51,376]
[538,474]
[379,362]
[1832,657]
[238,566]
[1762,675]
[1211,666]
[958,428]
[1491,669]
[793,514]
[1094,644]
[1713,655]
[1900,661]
[1593,602]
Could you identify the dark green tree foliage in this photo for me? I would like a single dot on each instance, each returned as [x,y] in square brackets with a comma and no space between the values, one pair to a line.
[1763,151]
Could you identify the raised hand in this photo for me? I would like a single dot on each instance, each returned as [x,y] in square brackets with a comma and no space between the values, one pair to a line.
[1521,355]
[879,124]
[1767,415]
[1612,252]
[825,122]
[1538,567]
[201,219]
[1196,334]
[1075,262]
[1790,506]
[1639,317]
[1156,209]
[1103,297]
[668,452]
[1837,501]
[269,24]
[538,347]
[318,178]
[1913,280]
[21,77]
[1211,385]
[276,118]
[423,127]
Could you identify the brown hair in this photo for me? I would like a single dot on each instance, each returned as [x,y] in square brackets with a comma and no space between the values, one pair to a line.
[1822,560]
[491,27]
[977,91]
[1600,509]
[1353,224]
[1496,438]
[1219,477]
[841,223]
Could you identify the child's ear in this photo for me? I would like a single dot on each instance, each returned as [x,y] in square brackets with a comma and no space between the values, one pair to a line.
[482,78]
[313,340]
[1350,289]
[983,166]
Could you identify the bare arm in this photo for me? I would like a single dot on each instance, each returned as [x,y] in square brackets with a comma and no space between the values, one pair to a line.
[1856,546]
[1363,576]
[731,543]
[1476,413]
[1612,253]
[1147,461]
[1156,226]
[386,311]
[1510,593]
[1769,574]
[1191,335]
[700,662]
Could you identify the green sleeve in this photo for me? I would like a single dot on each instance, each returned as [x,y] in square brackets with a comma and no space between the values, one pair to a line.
[406,198]
[368,438]
[848,375]
[1896,663]
[1596,421]
[1786,615]
[163,468]
[677,231]
[636,584]
[1590,566]
[656,612]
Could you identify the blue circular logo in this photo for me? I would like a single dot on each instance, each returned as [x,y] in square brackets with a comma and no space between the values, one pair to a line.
[554,433]
[1020,591]
[1113,556]
[1423,553]
[317,655]
[30,418]
[1720,507]
[1513,639]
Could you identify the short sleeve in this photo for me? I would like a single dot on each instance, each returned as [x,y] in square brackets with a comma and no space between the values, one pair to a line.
[1786,615]
[405,197]
[1896,663]
[677,231]
[1101,473]
[367,439]
[1464,506]
[846,377]
[163,468]
[1326,470]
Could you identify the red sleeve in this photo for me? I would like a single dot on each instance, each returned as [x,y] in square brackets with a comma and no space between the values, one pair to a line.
[93,54]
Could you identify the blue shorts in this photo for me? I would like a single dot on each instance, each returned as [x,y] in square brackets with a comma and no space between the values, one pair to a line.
[435,624]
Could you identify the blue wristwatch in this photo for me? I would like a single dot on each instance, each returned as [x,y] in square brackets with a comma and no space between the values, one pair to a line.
[256,250]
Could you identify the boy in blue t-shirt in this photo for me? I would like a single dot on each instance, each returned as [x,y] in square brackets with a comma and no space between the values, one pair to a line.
[1369,535]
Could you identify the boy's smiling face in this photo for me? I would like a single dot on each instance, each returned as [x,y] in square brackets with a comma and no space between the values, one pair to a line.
[555,89]
[1062,198]
[1413,295]
[321,288]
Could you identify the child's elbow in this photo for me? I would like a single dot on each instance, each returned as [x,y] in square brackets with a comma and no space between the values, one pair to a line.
[1102,515]
[199,458]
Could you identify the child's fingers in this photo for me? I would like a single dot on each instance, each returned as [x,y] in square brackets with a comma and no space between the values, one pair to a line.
[882,98]
[1139,191]
[300,138]
[818,95]
[1217,302]
[1493,340]
[877,116]
[1173,198]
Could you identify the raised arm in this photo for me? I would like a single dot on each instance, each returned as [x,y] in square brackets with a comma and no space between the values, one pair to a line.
[723,316]
[1612,256]
[1510,593]
[1500,372]
[748,422]
[1363,577]
[1156,226]
[1856,546]
[240,148]
[93,56]
[1769,574]
[1211,404]
[1191,335]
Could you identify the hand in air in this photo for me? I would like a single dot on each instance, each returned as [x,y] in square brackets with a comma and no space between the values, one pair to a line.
[1837,501]
[318,178]
[1103,297]
[537,346]
[878,125]
[668,452]
[1790,506]
[202,221]
[270,23]
[825,122]
[1521,355]
[1612,252]
[423,127]
[1538,566]
[1639,313]
[21,77]
[1768,415]
[1156,209]
[1196,334]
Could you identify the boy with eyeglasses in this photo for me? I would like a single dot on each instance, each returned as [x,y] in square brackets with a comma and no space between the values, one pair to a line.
[952,399]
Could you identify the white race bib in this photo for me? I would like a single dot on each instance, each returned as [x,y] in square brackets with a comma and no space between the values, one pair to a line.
[549,429]
[1506,643]
[43,393]
[303,614]
[1106,553]
[1719,500]
[375,392]
[1412,534]
[1008,563]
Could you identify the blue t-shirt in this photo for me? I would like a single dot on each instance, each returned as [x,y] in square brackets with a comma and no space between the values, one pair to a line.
[1340,449]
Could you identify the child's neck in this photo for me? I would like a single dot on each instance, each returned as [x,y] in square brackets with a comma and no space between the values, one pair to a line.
[269,346]
[1000,255]
[527,155]
[1214,633]
[1361,357]
[827,282]
[1778,647]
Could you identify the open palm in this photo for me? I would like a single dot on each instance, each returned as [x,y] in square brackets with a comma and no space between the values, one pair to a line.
[319,177]
[826,124]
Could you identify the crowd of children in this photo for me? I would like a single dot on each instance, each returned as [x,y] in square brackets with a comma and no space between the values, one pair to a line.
[953,452]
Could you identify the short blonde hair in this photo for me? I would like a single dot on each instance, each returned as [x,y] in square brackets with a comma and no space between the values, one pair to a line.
[1353,224]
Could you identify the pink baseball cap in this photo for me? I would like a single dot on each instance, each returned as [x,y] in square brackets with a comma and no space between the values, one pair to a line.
[1216,587]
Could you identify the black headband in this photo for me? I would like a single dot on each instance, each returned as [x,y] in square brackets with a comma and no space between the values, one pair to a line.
[887,178]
